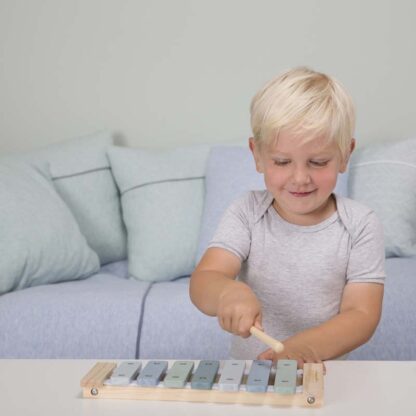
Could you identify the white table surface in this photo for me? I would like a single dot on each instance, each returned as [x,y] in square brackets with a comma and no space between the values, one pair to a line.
[352,388]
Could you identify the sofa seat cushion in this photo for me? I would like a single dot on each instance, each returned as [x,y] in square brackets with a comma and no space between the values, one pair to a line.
[173,327]
[96,318]
[395,337]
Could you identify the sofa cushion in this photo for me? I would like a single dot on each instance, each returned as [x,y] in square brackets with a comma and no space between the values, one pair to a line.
[40,240]
[162,196]
[384,178]
[118,268]
[81,174]
[96,318]
[230,173]
[395,337]
[173,327]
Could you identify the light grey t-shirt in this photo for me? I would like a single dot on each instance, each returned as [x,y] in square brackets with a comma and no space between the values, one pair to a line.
[299,272]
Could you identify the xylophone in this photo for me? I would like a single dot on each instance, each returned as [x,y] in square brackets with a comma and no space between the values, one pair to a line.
[229,381]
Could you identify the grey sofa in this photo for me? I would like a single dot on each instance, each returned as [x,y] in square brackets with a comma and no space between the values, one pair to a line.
[112,315]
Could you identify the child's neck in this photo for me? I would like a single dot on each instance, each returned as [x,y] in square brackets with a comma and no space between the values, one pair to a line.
[314,218]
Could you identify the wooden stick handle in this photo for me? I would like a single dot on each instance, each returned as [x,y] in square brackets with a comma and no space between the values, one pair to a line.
[274,344]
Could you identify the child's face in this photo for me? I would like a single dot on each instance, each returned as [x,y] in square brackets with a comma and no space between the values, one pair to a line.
[301,176]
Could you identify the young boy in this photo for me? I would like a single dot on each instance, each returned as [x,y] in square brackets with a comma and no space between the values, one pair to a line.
[310,264]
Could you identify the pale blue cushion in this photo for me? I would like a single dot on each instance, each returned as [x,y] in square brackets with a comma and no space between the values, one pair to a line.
[384,178]
[190,334]
[230,173]
[81,174]
[162,194]
[96,318]
[395,336]
[40,240]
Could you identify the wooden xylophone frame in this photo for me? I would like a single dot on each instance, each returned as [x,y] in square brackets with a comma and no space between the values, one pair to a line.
[312,395]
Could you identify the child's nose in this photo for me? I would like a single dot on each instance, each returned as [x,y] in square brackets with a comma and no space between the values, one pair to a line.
[301,176]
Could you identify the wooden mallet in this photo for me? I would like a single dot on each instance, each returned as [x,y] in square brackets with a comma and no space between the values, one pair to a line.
[274,344]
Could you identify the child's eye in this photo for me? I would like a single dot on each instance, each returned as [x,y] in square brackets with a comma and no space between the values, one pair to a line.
[281,162]
[318,163]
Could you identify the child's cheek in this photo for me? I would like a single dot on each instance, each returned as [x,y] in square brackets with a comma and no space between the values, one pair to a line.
[326,178]
[273,180]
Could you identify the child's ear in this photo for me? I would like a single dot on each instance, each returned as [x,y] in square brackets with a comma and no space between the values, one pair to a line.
[255,150]
[347,158]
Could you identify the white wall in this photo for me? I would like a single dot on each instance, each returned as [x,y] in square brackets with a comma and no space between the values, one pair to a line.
[168,72]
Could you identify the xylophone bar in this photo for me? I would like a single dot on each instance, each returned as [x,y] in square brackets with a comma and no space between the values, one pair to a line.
[95,385]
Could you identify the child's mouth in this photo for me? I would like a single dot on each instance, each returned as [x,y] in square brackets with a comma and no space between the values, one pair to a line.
[300,194]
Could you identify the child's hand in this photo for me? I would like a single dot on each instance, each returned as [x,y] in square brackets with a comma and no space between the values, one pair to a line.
[293,351]
[239,310]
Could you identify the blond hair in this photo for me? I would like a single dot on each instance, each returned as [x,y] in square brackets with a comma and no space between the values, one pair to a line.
[306,103]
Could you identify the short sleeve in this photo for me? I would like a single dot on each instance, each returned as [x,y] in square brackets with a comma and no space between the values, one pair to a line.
[366,260]
[233,232]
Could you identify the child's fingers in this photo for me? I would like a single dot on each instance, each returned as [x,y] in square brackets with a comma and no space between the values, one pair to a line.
[258,322]
[235,326]
[266,355]
[301,363]
[239,322]
[225,323]
[244,325]
[271,355]
[247,322]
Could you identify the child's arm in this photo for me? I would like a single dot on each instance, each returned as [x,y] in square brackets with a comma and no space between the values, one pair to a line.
[214,290]
[356,322]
